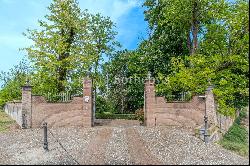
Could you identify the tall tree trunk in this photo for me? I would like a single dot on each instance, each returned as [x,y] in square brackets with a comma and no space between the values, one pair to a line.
[189,42]
[195,27]
[62,69]
[62,77]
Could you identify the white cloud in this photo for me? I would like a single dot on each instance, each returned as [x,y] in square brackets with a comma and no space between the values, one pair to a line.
[112,8]
[122,7]
[118,11]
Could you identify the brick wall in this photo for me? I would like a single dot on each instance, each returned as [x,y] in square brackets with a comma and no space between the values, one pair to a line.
[57,114]
[187,114]
[159,112]
[33,110]
[78,112]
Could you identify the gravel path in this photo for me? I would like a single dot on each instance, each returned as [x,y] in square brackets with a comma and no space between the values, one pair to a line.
[96,149]
[176,146]
[112,145]
[75,141]
[117,152]
[25,147]
[138,150]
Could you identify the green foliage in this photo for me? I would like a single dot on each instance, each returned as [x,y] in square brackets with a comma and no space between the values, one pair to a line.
[236,134]
[12,81]
[241,116]
[103,105]
[12,91]
[231,88]
[124,81]
[220,28]
[172,36]
[58,46]
[177,24]
[139,115]
[68,45]
[241,149]
[217,59]
[236,137]
[189,43]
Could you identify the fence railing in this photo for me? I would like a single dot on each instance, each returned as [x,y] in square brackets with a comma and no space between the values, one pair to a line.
[183,96]
[59,97]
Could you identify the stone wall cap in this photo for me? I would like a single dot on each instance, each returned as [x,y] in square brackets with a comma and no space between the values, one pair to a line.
[149,80]
[87,80]
[14,101]
[210,87]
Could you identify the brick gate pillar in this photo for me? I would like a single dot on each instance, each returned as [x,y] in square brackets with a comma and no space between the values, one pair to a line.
[210,106]
[149,103]
[87,103]
[26,106]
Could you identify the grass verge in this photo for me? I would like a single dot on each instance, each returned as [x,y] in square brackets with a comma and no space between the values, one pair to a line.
[5,122]
[236,139]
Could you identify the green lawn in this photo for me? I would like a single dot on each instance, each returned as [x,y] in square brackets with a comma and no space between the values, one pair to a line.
[236,139]
[5,121]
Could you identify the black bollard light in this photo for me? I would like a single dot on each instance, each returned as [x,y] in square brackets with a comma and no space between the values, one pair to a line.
[23,121]
[206,135]
[45,134]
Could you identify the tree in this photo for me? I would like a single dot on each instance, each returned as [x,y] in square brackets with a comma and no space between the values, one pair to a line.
[12,81]
[223,59]
[115,85]
[70,44]
[60,46]
[102,37]
[125,81]
[184,19]
[219,52]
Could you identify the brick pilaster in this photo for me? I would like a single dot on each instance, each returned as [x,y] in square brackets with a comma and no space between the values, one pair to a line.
[149,91]
[26,106]
[87,103]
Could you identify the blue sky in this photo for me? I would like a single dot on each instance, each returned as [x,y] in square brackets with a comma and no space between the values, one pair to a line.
[18,15]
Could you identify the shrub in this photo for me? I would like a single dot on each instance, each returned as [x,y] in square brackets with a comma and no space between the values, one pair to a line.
[139,115]
[236,134]
[236,137]
[103,105]
[109,115]
[240,148]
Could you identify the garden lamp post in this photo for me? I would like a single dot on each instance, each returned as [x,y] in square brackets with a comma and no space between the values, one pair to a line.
[205,120]
[206,124]
[45,136]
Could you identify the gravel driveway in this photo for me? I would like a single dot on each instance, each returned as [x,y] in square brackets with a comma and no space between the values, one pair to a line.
[112,145]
